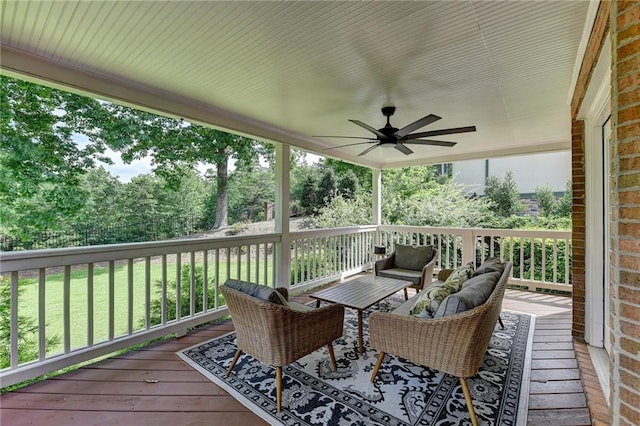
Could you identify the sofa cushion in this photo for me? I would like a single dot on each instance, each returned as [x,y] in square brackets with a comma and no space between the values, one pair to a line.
[493,264]
[475,291]
[402,274]
[412,257]
[258,291]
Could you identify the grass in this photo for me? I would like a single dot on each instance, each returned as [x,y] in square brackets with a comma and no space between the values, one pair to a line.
[79,297]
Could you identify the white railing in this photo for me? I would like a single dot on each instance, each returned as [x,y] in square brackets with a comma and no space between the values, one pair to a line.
[327,255]
[90,301]
[541,259]
[86,302]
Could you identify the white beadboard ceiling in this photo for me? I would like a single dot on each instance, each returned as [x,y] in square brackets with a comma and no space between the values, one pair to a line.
[285,71]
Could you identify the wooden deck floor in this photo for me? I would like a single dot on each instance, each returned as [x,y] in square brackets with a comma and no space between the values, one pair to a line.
[152,386]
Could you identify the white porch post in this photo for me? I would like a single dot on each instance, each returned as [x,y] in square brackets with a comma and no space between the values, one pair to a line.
[283,252]
[376,196]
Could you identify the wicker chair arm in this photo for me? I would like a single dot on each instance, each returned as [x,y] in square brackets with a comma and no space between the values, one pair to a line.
[427,270]
[443,274]
[284,292]
[386,263]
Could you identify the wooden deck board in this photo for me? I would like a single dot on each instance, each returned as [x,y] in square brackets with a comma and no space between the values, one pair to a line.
[115,390]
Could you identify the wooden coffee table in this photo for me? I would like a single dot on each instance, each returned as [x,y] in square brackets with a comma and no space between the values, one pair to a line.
[360,294]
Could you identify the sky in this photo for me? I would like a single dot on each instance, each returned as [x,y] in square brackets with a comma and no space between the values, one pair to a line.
[124,172]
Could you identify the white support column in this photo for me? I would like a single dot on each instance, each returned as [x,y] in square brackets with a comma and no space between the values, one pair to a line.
[376,196]
[283,252]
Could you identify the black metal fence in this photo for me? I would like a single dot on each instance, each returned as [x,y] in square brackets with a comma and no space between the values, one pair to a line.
[157,229]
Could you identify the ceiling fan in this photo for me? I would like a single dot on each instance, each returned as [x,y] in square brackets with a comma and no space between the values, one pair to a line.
[391,137]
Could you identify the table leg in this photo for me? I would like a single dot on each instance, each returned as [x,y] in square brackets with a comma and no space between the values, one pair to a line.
[360,337]
[317,303]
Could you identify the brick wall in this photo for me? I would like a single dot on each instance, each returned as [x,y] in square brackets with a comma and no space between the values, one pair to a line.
[625,229]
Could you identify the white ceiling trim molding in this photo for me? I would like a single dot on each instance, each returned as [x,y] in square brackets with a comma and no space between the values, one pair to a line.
[39,70]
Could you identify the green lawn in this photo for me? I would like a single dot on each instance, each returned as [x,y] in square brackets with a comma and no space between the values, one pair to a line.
[28,303]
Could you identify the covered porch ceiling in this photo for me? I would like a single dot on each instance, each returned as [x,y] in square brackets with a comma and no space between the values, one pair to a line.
[285,71]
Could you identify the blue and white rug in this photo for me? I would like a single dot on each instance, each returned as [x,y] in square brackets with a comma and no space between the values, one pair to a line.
[403,393]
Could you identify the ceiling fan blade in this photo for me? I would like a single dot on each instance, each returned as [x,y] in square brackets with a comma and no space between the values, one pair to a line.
[346,137]
[349,144]
[371,148]
[369,128]
[403,149]
[429,142]
[416,125]
[442,132]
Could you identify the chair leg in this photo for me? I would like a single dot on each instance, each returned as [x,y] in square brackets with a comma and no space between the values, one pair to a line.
[467,397]
[332,356]
[377,367]
[501,323]
[233,362]
[279,388]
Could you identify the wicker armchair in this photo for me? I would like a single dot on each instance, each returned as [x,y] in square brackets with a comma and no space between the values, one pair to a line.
[454,344]
[418,269]
[277,335]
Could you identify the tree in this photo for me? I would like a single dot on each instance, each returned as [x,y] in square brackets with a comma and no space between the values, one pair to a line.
[348,184]
[40,164]
[176,145]
[564,206]
[546,200]
[504,194]
[308,197]
[342,168]
[327,187]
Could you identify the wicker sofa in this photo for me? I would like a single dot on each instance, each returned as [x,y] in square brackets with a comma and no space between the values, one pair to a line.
[275,331]
[453,344]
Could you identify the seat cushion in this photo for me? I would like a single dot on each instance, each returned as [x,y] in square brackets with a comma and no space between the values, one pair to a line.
[412,257]
[493,264]
[475,291]
[258,291]
[402,274]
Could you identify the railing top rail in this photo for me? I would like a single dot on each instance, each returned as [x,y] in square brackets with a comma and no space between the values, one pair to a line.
[34,259]
[329,232]
[535,233]
[423,229]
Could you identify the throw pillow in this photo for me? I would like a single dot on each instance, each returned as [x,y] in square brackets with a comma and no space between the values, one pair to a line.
[258,291]
[412,257]
[475,291]
[493,264]
[430,298]
[458,277]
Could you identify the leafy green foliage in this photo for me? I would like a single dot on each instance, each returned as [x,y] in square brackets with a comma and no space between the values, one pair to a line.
[327,187]
[545,199]
[342,212]
[564,206]
[27,330]
[504,195]
[348,185]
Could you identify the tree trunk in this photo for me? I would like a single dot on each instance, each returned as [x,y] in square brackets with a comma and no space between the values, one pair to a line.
[222,196]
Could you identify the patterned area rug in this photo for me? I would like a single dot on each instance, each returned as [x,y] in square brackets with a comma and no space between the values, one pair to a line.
[403,393]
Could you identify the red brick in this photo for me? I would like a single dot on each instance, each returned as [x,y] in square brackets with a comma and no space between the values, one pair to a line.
[629,163]
[629,148]
[630,262]
[628,34]
[629,229]
[631,330]
[628,197]
[632,347]
[628,49]
[631,380]
[630,81]
[630,212]
[629,278]
[631,65]
[628,131]
[629,246]
[629,295]
[627,17]
[626,4]
[630,312]
[628,98]
[629,181]
[631,414]
[630,397]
